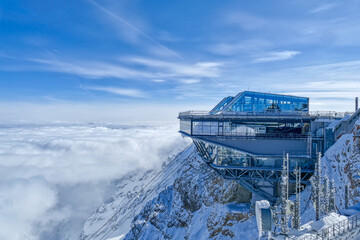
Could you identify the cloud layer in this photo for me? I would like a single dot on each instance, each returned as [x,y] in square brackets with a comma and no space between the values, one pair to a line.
[55,175]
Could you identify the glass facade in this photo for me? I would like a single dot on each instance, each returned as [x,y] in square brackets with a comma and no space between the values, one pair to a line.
[258,129]
[205,128]
[263,102]
[222,104]
[185,126]
[223,156]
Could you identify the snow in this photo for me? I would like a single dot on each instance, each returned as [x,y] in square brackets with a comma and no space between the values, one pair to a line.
[194,202]
[312,227]
[141,184]
[117,238]
[333,123]
[189,200]
[258,206]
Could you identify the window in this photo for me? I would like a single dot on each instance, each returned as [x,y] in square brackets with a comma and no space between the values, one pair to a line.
[260,102]
[185,126]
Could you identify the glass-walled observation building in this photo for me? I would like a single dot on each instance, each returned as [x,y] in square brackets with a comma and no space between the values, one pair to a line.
[245,137]
[275,123]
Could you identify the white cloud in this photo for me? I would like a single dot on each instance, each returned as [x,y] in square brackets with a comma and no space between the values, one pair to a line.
[331,87]
[124,111]
[122,21]
[55,174]
[129,68]
[119,91]
[323,8]
[189,81]
[94,70]
[180,69]
[244,20]
[227,49]
[158,80]
[276,56]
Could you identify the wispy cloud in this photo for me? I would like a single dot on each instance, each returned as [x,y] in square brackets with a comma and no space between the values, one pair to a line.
[189,81]
[245,20]
[247,46]
[95,70]
[134,68]
[158,80]
[179,69]
[330,86]
[276,56]
[119,91]
[122,20]
[324,7]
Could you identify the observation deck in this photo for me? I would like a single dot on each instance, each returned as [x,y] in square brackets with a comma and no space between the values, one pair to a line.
[245,137]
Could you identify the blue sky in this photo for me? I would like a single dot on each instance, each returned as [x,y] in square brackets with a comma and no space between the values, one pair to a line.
[88,57]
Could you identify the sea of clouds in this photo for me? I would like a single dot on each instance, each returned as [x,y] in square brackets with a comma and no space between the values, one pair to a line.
[53,176]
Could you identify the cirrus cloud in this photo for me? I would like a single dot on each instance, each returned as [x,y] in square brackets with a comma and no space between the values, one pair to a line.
[276,56]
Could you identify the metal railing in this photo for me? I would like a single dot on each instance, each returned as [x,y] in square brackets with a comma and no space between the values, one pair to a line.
[251,135]
[329,114]
[194,113]
[335,230]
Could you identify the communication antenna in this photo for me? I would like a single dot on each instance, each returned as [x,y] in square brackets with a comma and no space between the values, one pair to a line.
[284,216]
[297,217]
[332,196]
[319,187]
[316,186]
[326,196]
[356,103]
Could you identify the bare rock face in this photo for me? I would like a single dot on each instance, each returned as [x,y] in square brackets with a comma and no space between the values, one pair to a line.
[199,204]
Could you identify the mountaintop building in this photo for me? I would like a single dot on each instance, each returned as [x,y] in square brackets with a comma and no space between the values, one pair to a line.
[245,137]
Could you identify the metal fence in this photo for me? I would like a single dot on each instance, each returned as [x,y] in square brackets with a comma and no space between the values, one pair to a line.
[330,114]
[335,230]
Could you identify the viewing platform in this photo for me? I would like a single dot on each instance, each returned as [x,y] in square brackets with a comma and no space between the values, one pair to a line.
[245,137]
[316,114]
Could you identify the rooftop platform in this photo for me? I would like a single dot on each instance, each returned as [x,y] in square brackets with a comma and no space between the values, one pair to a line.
[201,114]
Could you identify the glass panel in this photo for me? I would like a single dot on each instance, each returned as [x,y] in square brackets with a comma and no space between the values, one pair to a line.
[185,126]
[222,104]
[259,102]
[205,128]
[197,128]
[223,156]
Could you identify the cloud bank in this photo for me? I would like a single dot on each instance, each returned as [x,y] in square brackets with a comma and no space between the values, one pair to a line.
[54,175]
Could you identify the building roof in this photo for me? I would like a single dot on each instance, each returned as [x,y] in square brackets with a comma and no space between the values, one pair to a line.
[249,101]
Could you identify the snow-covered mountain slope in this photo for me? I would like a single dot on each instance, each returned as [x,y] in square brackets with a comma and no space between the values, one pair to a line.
[198,205]
[170,216]
[113,218]
[187,200]
[341,162]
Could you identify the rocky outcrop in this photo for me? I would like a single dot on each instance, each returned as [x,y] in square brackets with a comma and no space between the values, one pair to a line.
[199,204]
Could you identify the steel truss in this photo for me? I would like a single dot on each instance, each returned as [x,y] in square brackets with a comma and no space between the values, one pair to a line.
[259,180]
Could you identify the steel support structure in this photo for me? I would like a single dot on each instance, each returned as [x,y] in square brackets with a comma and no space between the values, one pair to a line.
[262,181]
